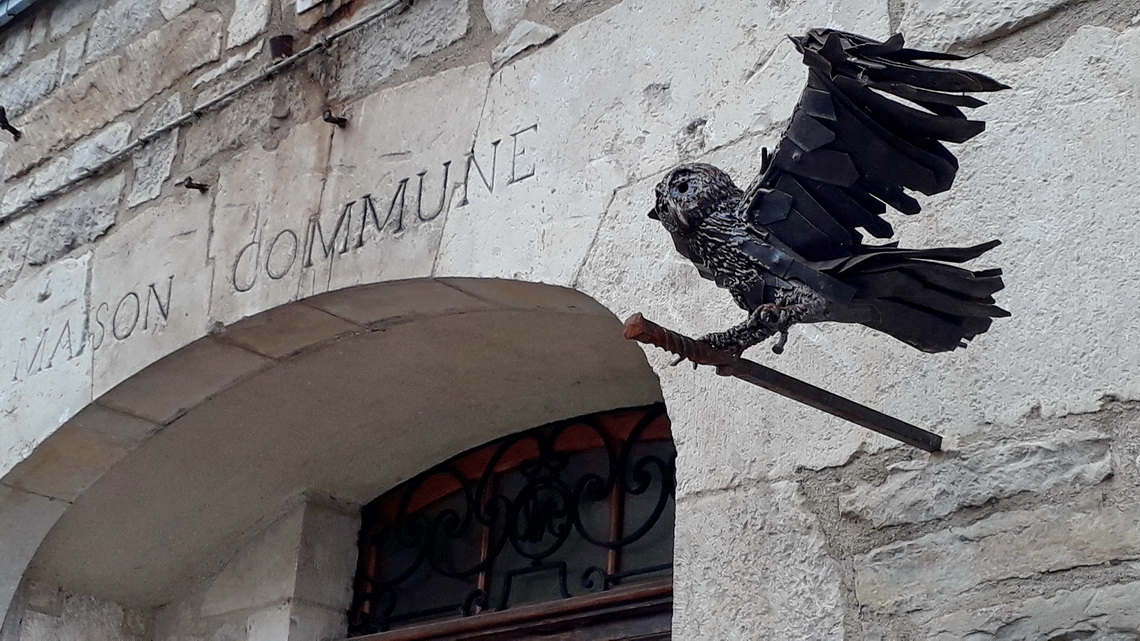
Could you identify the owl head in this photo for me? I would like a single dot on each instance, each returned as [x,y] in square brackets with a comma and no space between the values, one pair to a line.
[690,192]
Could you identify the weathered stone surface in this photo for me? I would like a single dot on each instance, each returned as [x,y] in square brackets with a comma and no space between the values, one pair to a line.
[97,148]
[69,15]
[118,84]
[935,570]
[29,84]
[153,162]
[116,25]
[752,563]
[326,560]
[260,247]
[938,24]
[502,14]
[72,57]
[377,51]
[75,220]
[172,8]
[12,48]
[921,490]
[226,68]
[284,330]
[24,521]
[46,366]
[149,288]
[525,35]
[14,238]
[405,145]
[116,426]
[249,19]
[68,462]
[1106,613]
[82,617]
[263,573]
[37,34]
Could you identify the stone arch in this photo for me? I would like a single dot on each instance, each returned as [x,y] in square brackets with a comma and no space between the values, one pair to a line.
[340,395]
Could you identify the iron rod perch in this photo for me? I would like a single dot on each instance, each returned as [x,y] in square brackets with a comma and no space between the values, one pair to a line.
[640,329]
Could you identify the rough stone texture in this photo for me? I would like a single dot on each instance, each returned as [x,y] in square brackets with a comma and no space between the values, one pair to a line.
[149,288]
[249,19]
[372,54]
[24,521]
[227,67]
[116,25]
[82,618]
[752,563]
[921,490]
[76,220]
[935,570]
[115,85]
[938,24]
[502,14]
[14,238]
[69,15]
[12,48]
[30,84]
[152,164]
[72,57]
[525,35]
[172,8]
[1106,613]
[401,132]
[259,241]
[46,371]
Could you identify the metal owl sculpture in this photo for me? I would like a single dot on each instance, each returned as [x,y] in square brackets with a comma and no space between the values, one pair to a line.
[789,247]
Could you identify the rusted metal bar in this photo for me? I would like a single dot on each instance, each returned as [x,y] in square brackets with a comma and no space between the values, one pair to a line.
[640,329]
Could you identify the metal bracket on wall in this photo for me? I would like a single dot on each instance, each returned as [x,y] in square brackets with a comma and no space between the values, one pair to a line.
[645,331]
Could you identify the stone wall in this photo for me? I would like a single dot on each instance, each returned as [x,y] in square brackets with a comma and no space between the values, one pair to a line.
[520,140]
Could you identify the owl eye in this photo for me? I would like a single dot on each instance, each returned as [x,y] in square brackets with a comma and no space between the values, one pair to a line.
[683,188]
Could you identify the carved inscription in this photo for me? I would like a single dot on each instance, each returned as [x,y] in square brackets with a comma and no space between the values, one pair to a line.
[147,309]
[413,200]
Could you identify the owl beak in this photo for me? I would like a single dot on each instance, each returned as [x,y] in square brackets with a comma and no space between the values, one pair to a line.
[653,214]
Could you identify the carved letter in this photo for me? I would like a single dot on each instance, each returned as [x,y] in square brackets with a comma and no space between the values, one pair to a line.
[279,274]
[515,177]
[96,343]
[115,325]
[315,230]
[37,355]
[65,333]
[490,185]
[370,212]
[442,195]
[243,287]
[162,311]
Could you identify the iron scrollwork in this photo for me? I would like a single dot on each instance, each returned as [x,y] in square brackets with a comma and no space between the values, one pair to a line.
[457,539]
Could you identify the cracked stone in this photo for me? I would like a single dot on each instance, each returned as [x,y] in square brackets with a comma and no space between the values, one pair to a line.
[250,18]
[503,13]
[940,24]
[941,568]
[153,162]
[30,84]
[525,35]
[917,491]
[78,219]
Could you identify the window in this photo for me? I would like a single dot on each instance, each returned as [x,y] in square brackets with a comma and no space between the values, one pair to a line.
[568,521]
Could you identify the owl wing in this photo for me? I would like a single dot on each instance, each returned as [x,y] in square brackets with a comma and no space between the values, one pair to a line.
[854,145]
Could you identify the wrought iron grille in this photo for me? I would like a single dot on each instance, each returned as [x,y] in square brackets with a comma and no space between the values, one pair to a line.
[570,508]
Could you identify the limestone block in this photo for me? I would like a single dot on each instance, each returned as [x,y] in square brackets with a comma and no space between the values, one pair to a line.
[46,364]
[502,14]
[72,54]
[116,25]
[37,35]
[68,463]
[269,624]
[117,84]
[172,8]
[589,121]
[525,35]
[406,152]
[282,331]
[934,571]
[311,623]
[249,19]
[14,239]
[98,148]
[377,51]
[940,24]
[12,48]
[69,15]
[115,426]
[171,386]
[752,563]
[29,84]
[262,573]
[921,490]
[233,62]
[83,617]
[74,220]
[383,303]
[326,560]
[149,288]
[263,237]
[25,520]
[1107,613]
[152,163]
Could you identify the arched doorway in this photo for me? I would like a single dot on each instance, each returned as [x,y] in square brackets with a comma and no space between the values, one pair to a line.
[193,467]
